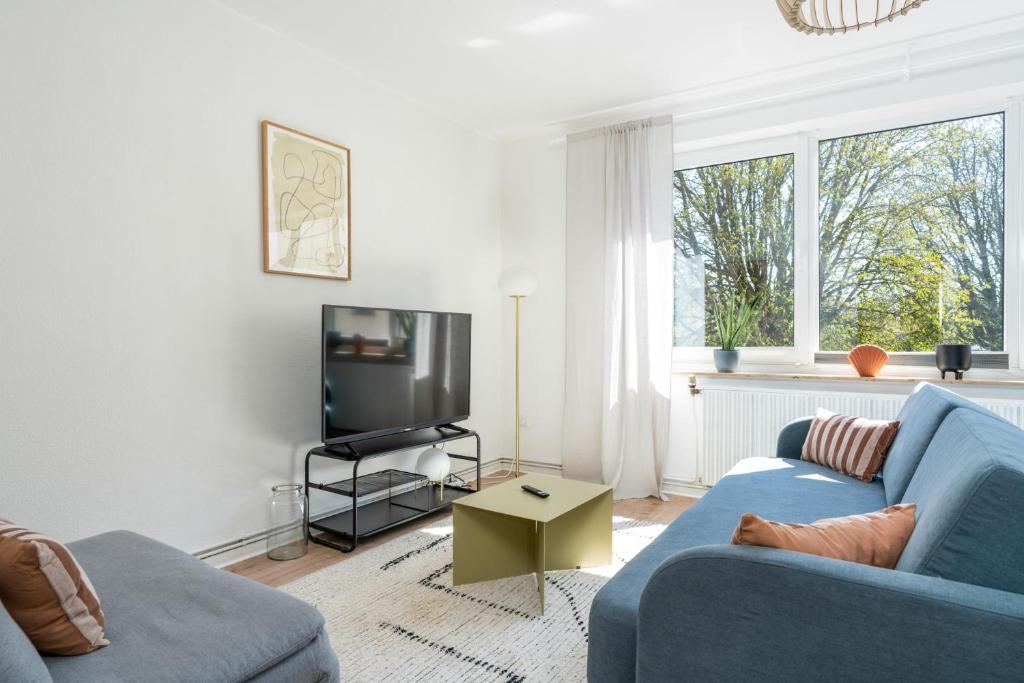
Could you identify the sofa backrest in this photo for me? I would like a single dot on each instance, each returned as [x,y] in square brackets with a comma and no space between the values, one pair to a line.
[19,660]
[969,491]
[920,417]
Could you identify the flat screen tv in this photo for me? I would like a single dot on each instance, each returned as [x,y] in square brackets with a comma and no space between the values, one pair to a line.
[387,371]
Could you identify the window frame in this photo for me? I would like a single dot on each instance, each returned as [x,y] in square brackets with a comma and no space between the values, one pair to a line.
[803,145]
[794,145]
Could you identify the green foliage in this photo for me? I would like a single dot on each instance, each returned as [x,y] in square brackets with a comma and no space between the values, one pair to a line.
[406,323]
[735,320]
[910,240]
[911,237]
[737,219]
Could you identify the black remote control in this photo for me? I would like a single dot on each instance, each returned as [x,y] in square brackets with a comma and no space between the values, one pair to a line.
[535,491]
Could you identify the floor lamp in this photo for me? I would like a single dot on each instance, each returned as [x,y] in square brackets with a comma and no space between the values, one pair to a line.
[517,283]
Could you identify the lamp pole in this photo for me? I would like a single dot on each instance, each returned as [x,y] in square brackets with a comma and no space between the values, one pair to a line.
[517,283]
[517,298]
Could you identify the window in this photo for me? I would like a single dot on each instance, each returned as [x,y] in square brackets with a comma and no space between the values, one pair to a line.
[911,237]
[734,236]
[894,235]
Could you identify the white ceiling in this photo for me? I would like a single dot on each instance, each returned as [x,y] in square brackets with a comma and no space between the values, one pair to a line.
[508,69]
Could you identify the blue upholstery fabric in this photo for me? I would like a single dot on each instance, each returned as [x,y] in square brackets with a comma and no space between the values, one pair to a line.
[920,417]
[969,489]
[691,606]
[790,442]
[779,489]
[171,617]
[738,613]
[19,660]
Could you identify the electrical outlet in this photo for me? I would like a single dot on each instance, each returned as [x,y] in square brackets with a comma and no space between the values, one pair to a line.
[523,422]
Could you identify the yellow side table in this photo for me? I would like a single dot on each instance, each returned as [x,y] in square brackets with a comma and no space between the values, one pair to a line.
[504,531]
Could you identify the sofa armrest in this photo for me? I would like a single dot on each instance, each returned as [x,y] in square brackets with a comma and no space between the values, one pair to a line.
[19,660]
[727,612]
[791,438]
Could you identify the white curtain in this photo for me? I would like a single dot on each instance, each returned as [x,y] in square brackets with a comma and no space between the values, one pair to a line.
[619,306]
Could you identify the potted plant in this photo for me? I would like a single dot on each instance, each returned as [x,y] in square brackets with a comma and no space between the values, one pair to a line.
[735,320]
[407,328]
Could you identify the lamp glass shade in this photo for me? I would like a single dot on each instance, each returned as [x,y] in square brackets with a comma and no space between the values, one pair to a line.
[434,464]
[518,282]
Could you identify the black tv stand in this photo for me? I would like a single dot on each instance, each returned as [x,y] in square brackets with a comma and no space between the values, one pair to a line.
[408,496]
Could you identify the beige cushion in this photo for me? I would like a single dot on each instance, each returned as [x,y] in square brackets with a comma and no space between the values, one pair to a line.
[876,538]
[852,445]
[47,593]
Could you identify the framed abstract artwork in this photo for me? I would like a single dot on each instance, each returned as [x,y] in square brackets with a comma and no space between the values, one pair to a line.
[307,211]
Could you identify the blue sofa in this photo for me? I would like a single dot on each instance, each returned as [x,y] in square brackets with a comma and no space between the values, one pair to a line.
[171,617]
[691,606]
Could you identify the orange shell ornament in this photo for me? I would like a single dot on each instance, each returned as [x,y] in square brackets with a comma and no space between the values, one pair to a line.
[868,359]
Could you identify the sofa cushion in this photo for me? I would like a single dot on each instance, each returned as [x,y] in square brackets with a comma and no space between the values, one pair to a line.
[919,418]
[875,538]
[172,617]
[19,660]
[852,445]
[969,491]
[46,592]
[776,488]
[315,663]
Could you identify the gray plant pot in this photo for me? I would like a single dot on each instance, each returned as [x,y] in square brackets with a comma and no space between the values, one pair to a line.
[727,360]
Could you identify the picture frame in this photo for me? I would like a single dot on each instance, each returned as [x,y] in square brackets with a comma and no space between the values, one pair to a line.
[307,207]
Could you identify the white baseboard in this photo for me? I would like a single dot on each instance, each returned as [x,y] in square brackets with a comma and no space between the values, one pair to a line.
[253,544]
[683,487]
[239,549]
[226,558]
[536,466]
[671,485]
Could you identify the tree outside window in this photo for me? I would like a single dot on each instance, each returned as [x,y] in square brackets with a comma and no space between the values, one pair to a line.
[911,237]
[734,235]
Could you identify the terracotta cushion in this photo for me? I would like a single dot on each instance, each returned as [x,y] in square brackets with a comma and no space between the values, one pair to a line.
[875,538]
[852,445]
[47,594]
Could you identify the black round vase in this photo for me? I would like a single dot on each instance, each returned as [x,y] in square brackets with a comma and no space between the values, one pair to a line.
[955,358]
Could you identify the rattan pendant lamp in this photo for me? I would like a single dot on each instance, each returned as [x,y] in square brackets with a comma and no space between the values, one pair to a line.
[826,17]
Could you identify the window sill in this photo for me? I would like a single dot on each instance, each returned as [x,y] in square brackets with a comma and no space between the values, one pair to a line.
[813,377]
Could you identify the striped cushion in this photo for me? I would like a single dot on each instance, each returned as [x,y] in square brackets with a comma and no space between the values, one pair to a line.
[47,594]
[852,445]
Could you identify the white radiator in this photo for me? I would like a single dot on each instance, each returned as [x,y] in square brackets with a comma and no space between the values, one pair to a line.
[743,423]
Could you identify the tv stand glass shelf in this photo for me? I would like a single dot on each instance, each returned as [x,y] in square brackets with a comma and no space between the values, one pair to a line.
[393,497]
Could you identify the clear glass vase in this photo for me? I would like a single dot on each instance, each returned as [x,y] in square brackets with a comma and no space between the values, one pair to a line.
[287,537]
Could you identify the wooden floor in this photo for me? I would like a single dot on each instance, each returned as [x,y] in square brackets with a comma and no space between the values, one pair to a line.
[274,573]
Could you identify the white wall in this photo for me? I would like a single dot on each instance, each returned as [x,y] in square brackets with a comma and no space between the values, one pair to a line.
[852,106]
[533,236]
[152,377]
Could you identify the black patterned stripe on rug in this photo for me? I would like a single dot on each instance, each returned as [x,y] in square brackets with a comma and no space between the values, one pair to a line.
[429,581]
[412,553]
[628,524]
[630,532]
[502,672]
[571,599]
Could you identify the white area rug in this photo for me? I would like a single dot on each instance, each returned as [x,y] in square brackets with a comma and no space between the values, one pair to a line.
[393,615]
